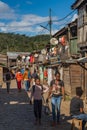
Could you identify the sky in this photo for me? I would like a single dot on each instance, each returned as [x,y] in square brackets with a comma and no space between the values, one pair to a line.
[31,17]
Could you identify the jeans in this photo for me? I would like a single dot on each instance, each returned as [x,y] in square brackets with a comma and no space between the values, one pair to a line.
[27,85]
[82,117]
[56,102]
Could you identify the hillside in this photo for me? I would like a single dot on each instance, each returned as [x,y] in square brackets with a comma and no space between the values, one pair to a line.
[21,43]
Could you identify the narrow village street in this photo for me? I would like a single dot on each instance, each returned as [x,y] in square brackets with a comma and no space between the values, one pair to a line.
[43,54]
[17,114]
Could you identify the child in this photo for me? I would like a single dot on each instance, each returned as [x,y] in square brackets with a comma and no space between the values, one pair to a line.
[36,93]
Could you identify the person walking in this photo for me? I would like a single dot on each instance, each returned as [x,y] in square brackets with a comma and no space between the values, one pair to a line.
[8,80]
[26,78]
[77,107]
[19,78]
[56,91]
[34,75]
[37,91]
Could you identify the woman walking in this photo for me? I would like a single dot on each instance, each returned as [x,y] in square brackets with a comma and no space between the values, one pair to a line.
[36,93]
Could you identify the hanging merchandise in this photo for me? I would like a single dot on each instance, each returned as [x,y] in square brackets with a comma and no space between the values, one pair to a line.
[35,55]
[43,51]
[45,73]
[63,41]
[41,74]
[49,75]
[31,59]
[41,58]
[23,57]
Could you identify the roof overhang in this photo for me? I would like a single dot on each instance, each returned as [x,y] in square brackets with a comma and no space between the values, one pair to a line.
[77,4]
[60,32]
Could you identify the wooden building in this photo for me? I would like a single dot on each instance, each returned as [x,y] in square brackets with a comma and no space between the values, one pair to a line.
[3,71]
[3,60]
[72,73]
[81,6]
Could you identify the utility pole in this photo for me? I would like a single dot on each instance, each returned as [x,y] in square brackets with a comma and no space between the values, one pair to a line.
[50,23]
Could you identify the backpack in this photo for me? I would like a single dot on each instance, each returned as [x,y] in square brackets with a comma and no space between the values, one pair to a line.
[8,76]
[34,88]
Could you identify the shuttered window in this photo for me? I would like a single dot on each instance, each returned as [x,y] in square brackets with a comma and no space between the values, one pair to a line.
[73,46]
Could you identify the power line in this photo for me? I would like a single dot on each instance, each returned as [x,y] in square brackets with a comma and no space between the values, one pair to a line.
[64,17]
[39,23]
[66,22]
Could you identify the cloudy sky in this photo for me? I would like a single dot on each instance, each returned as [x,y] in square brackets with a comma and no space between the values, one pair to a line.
[31,17]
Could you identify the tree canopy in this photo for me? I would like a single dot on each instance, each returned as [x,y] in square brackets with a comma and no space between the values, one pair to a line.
[22,43]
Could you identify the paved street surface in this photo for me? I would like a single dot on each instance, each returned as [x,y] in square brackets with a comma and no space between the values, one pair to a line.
[17,114]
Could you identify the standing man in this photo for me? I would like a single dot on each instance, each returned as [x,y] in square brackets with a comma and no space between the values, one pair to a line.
[56,92]
[8,80]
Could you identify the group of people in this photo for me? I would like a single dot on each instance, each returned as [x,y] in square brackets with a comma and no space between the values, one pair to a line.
[56,93]
[22,76]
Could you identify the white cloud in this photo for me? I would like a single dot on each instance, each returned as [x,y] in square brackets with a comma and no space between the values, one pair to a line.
[21,23]
[6,12]
[34,19]
[25,23]
[4,8]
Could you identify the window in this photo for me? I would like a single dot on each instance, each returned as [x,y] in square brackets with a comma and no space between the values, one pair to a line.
[81,17]
[73,31]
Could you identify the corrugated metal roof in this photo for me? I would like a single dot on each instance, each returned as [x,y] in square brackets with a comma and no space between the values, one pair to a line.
[14,55]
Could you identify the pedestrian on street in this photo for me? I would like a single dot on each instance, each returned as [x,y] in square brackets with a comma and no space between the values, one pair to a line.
[56,91]
[77,107]
[8,80]
[27,78]
[34,76]
[37,91]
[19,78]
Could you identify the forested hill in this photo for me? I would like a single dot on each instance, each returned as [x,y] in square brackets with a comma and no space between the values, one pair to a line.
[21,43]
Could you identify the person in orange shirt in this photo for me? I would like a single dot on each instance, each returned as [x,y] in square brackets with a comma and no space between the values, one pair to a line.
[19,78]
[26,78]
